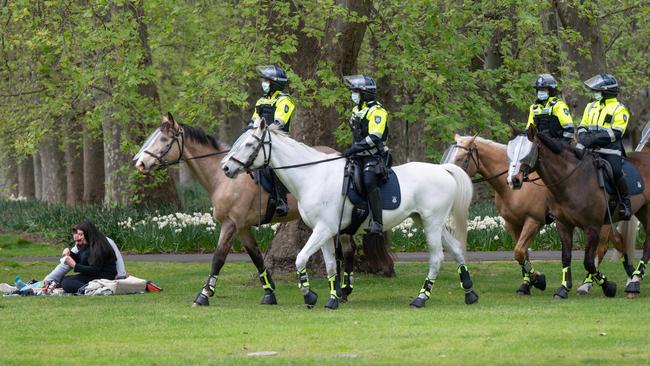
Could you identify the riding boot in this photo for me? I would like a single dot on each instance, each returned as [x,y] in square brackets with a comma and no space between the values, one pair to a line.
[281,207]
[625,213]
[376,225]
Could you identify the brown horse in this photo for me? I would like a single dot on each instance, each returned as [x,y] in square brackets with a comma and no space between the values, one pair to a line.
[578,201]
[524,210]
[237,203]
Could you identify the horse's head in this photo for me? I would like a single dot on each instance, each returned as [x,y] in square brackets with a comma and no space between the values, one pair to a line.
[522,157]
[245,152]
[163,147]
[463,153]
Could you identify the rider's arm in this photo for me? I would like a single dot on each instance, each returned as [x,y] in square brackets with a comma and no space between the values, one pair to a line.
[561,110]
[377,119]
[531,121]
[283,110]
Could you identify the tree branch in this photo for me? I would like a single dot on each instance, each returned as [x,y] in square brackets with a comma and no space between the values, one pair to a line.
[23,93]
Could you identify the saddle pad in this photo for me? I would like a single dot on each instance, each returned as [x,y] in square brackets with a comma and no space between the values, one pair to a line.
[635,184]
[391,196]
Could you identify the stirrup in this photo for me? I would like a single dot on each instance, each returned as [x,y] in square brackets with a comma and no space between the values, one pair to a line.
[625,213]
[281,208]
[375,228]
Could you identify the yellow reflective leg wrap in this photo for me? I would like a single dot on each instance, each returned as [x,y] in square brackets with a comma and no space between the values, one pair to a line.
[640,269]
[347,280]
[526,270]
[332,281]
[599,278]
[565,270]
[588,279]
[303,279]
[264,279]
[426,287]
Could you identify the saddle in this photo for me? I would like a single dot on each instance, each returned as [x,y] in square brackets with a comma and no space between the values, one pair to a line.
[264,178]
[354,189]
[633,179]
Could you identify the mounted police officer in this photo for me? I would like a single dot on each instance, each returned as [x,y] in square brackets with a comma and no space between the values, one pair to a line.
[602,127]
[549,113]
[369,131]
[276,107]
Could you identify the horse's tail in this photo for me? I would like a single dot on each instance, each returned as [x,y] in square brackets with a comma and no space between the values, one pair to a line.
[628,230]
[460,209]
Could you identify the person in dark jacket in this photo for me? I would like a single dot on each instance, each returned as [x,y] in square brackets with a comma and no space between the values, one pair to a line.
[94,260]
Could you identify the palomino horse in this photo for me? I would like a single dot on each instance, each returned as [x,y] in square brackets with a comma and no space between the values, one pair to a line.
[578,201]
[236,204]
[524,210]
[429,194]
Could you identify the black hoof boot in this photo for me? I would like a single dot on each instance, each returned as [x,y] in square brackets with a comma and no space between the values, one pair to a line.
[418,303]
[609,288]
[561,293]
[201,300]
[471,297]
[332,303]
[539,281]
[310,299]
[524,289]
[633,288]
[269,298]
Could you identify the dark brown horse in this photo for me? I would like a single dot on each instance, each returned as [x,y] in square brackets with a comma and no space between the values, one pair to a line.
[237,203]
[578,201]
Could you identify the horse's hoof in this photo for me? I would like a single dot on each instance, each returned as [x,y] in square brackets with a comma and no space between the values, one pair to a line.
[524,289]
[471,297]
[609,288]
[539,281]
[269,299]
[561,294]
[418,303]
[201,300]
[633,288]
[310,299]
[584,288]
[332,303]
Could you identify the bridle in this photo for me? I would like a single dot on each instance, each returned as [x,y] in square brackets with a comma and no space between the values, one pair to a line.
[262,142]
[473,156]
[177,138]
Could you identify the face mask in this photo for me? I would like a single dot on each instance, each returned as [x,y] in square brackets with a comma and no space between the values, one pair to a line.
[598,95]
[266,86]
[542,94]
[356,98]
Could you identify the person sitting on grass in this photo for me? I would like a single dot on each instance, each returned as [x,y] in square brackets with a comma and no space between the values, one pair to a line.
[93,259]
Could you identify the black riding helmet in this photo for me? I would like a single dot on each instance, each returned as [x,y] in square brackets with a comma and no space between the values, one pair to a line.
[546,81]
[276,75]
[365,84]
[604,83]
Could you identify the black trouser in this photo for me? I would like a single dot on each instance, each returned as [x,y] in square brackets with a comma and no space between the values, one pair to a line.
[72,284]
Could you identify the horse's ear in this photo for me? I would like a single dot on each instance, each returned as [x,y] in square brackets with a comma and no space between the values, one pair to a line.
[514,131]
[471,141]
[262,124]
[531,132]
[457,137]
[172,121]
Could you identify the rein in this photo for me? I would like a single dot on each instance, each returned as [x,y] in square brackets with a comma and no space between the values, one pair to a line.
[559,181]
[179,139]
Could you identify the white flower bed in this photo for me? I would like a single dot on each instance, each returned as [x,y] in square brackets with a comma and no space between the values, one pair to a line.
[175,222]
[17,198]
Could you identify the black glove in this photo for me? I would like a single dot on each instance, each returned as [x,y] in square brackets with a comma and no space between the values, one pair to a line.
[580,151]
[348,152]
[586,139]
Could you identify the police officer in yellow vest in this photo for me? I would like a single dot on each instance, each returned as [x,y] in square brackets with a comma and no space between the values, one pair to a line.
[276,107]
[370,132]
[603,124]
[549,113]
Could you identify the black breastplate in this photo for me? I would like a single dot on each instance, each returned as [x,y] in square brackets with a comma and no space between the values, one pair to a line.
[359,128]
[548,123]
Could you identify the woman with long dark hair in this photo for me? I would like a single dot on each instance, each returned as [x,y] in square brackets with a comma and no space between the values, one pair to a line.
[95,258]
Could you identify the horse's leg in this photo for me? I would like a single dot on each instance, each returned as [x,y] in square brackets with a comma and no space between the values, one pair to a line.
[531,277]
[601,250]
[453,246]
[349,248]
[633,287]
[591,236]
[258,260]
[227,232]
[566,237]
[331,268]
[318,237]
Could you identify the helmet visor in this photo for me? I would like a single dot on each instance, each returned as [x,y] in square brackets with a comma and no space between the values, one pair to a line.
[595,83]
[355,82]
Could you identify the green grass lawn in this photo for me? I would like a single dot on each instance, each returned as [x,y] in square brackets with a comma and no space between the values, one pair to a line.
[375,327]
[14,246]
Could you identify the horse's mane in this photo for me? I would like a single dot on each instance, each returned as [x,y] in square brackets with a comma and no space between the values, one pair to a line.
[554,145]
[491,143]
[277,131]
[198,135]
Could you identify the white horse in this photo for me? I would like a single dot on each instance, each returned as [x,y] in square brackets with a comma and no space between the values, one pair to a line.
[430,194]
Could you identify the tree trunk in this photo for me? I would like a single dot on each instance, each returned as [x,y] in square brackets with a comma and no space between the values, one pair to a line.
[53,171]
[26,182]
[74,165]
[8,176]
[38,177]
[93,166]
[315,126]
[116,162]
